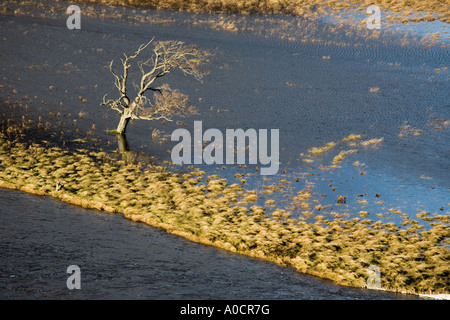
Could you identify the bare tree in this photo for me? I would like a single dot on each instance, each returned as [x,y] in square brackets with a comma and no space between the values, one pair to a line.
[165,102]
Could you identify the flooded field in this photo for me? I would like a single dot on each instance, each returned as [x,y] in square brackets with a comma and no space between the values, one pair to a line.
[363,120]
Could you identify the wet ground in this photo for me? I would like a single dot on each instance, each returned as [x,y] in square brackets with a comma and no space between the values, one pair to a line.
[314,93]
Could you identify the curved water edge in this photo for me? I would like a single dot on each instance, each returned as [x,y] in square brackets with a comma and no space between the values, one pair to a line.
[228,60]
[121,259]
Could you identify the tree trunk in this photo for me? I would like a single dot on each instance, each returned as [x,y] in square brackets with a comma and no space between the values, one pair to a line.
[130,157]
[122,143]
[122,127]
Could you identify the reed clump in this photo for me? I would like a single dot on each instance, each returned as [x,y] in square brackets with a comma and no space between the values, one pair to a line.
[320,150]
[342,155]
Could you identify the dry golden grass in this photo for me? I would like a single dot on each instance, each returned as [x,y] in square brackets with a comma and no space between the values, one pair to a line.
[301,28]
[321,150]
[402,10]
[342,155]
[371,142]
[352,137]
[210,210]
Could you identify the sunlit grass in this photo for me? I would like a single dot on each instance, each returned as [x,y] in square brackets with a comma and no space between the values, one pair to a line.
[403,11]
[211,210]
[323,149]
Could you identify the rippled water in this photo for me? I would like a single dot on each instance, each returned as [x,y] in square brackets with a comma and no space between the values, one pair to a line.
[257,80]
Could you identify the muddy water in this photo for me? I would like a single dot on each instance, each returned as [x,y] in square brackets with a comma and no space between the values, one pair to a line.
[256,81]
[121,259]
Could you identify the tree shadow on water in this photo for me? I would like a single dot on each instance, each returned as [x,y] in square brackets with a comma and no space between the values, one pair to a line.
[133,157]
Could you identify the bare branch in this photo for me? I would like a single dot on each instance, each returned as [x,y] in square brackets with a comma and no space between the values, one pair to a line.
[113,104]
[165,103]
[121,82]
[169,55]
[117,82]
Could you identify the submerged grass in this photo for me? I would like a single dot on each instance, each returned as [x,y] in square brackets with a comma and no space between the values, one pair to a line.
[213,211]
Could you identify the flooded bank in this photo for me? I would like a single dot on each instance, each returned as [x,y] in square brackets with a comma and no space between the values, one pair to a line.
[314,91]
[120,259]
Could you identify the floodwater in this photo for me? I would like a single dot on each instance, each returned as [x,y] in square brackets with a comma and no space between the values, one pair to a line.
[313,92]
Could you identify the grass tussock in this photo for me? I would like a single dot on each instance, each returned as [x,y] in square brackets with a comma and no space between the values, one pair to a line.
[213,211]
[352,137]
[406,130]
[342,155]
[321,150]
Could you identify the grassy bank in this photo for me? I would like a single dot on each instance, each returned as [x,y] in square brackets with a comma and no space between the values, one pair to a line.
[396,10]
[297,25]
[211,210]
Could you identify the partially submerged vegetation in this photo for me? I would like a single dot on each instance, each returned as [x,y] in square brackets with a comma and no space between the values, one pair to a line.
[295,21]
[211,210]
[402,10]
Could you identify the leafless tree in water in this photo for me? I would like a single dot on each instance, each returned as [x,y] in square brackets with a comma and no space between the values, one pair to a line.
[165,103]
